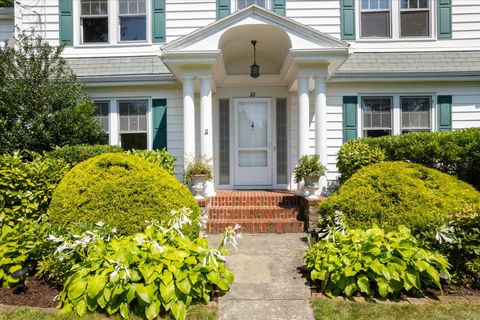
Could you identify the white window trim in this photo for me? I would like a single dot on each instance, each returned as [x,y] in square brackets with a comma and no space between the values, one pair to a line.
[147,24]
[113,27]
[395,24]
[361,10]
[109,112]
[396,109]
[233,5]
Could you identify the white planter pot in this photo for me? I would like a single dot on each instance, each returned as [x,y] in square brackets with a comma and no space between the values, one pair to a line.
[199,184]
[312,185]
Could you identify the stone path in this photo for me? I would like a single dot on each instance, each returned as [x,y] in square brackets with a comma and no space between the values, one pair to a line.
[268,283]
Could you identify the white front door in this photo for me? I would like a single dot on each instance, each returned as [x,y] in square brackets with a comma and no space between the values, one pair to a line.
[252,147]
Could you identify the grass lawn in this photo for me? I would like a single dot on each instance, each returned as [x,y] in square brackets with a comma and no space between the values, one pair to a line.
[197,312]
[325,309]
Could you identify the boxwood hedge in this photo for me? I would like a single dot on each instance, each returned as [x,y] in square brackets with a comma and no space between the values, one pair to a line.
[122,190]
[393,193]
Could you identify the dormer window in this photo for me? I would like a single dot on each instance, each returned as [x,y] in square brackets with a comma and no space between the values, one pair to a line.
[133,20]
[375,19]
[94,21]
[242,4]
[414,18]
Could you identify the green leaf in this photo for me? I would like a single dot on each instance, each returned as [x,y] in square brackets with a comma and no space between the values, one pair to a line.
[382,288]
[184,286]
[95,284]
[145,292]
[81,308]
[124,311]
[153,310]
[167,291]
[76,289]
[179,310]
[363,284]
[433,273]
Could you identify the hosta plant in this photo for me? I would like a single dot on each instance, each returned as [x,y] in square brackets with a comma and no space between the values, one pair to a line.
[373,262]
[156,272]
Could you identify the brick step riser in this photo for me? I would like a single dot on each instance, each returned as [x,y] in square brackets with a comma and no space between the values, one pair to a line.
[243,213]
[238,201]
[216,227]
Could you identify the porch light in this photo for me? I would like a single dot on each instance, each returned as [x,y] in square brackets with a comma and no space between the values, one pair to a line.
[254,68]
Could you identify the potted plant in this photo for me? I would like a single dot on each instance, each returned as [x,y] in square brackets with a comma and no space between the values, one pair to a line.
[310,169]
[197,173]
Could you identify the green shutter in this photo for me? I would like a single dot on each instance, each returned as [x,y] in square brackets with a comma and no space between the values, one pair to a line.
[65,8]
[278,6]
[347,18]
[159,108]
[223,9]
[444,112]
[444,19]
[158,21]
[349,118]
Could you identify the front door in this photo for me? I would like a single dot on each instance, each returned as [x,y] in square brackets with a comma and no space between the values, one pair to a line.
[252,147]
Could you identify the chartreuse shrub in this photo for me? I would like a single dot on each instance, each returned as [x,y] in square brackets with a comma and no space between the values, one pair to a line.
[373,262]
[122,190]
[354,155]
[390,193]
[454,152]
[78,153]
[159,271]
[161,158]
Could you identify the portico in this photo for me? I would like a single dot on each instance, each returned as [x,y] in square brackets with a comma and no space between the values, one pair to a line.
[253,130]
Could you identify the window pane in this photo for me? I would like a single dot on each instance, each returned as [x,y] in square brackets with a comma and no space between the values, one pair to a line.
[142,8]
[94,7]
[95,29]
[376,24]
[224,133]
[413,4]
[131,141]
[384,4]
[373,4]
[123,7]
[376,133]
[416,113]
[377,114]
[123,109]
[404,4]
[364,4]
[133,28]
[245,3]
[423,4]
[123,123]
[415,23]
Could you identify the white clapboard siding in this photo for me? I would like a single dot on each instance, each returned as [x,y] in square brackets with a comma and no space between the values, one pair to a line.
[465,111]
[321,15]
[184,17]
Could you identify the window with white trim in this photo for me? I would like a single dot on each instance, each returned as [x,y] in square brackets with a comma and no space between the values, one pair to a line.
[375,19]
[101,113]
[133,20]
[415,114]
[377,116]
[94,21]
[242,4]
[414,18]
[133,124]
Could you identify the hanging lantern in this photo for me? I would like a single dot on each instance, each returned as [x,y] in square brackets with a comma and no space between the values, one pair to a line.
[254,68]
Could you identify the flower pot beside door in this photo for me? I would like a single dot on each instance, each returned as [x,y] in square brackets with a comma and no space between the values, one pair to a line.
[197,173]
[309,169]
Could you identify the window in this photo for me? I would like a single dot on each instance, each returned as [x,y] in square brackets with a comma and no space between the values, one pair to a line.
[375,19]
[377,116]
[133,20]
[415,113]
[101,113]
[133,124]
[241,4]
[94,21]
[414,18]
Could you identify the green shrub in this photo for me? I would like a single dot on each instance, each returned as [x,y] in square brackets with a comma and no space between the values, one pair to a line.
[161,158]
[199,166]
[121,190]
[155,272]
[454,152]
[373,262]
[354,155]
[390,193]
[78,153]
[27,183]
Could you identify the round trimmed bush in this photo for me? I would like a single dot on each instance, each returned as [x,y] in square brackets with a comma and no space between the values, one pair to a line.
[122,190]
[394,193]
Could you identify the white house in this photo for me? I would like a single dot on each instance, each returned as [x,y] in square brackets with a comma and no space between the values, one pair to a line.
[177,74]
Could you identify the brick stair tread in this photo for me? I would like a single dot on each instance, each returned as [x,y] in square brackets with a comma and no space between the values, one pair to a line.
[257,225]
[239,221]
[254,207]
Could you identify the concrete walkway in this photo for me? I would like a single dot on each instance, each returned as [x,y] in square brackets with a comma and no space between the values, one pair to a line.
[268,283]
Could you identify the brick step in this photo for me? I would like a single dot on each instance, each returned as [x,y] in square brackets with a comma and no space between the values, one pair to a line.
[253,212]
[257,226]
[257,198]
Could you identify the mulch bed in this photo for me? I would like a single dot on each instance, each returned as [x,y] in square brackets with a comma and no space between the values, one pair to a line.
[38,294]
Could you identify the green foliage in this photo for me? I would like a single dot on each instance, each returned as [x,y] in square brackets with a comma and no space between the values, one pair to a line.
[27,184]
[391,192]
[122,190]
[6,3]
[155,272]
[78,153]
[199,166]
[161,158]
[373,262]
[454,152]
[356,154]
[309,165]
[42,103]
[458,240]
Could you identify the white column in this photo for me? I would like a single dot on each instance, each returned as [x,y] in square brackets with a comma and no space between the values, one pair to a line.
[188,120]
[321,123]
[206,133]
[303,115]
